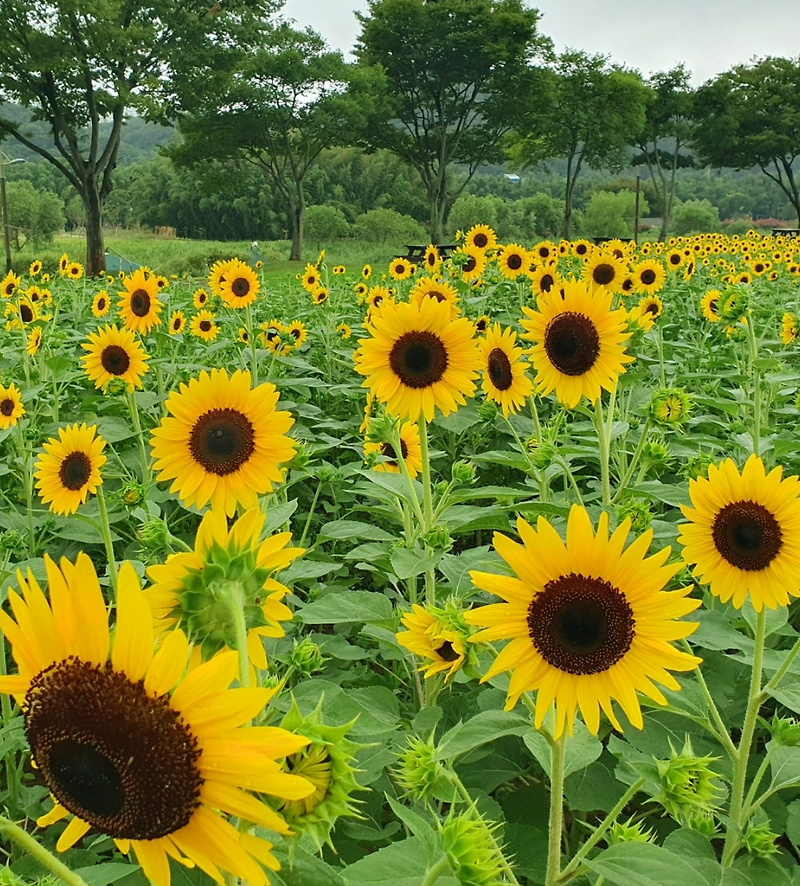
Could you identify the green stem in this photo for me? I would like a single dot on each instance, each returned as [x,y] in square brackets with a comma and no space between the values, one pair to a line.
[31,847]
[721,732]
[753,353]
[105,531]
[412,493]
[307,526]
[251,338]
[133,408]
[556,826]
[537,425]
[12,773]
[736,823]
[599,832]
[603,447]
[27,472]
[637,454]
[438,870]
[571,477]
[236,611]
[427,504]
[749,802]
[660,342]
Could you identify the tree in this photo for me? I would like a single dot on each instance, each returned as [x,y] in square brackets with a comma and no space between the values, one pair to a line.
[750,116]
[665,135]
[696,217]
[33,214]
[453,71]
[589,113]
[77,66]
[276,108]
[611,215]
[324,224]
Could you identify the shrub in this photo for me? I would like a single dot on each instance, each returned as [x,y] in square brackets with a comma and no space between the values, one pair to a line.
[382,225]
[695,217]
[324,224]
[611,215]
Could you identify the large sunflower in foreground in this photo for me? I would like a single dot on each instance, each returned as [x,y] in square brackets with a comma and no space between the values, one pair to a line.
[579,342]
[130,747]
[114,353]
[505,380]
[139,306]
[223,441]
[744,533]
[69,469]
[227,566]
[418,360]
[588,621]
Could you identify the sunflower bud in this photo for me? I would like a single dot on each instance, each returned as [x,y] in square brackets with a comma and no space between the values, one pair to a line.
[688,784]
[785,731]
[153,533]
[463,473]
[703,822]
[542,455]
[438,539]
[441,487]
[670,406]
[306,657]
[11,540]
[418,773]
[733,304]
[300,458]
[638,512]
[471,850]
[759,840]
[132,493]
[487,411]
[697,466]
[115,386]
[629,832]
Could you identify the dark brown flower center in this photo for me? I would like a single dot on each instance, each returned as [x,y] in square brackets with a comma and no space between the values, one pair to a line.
[115,360]
[674,259]
[544,252]
[652,308]
[418,359]
[177,323]
[222,440]
[480,240]
[205,325]
[747,535]
[627,284]
[26,313]
[482,324]
[101,304]
[240,287]
[75,471]
[446,651]
[7,407]
[499,367]
[581,249]
[581,625]
[470,265]
[140,302]
[514,261]
[121,760]
[546,283]
[604,273]
[571,343]
[388,451]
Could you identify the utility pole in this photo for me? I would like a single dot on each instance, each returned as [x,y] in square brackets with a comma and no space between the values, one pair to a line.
[636,210]
[6,230]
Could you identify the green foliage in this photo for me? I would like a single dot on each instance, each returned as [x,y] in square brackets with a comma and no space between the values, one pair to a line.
[33,214]
[695,217]
[611,215]
[529,218]
[325,224]
[388,226]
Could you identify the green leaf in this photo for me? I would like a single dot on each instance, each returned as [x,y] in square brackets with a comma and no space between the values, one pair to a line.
[582,748]
[278,515]
[301,868]
[793,822]
[788,695]
[785,767]
[479,730]
[353,529]
[403,863]
[417,825]
[644,864]
[341,607]
[407,562]
[692,845]
[103,874]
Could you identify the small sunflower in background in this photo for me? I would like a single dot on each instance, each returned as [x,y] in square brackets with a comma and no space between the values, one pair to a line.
[177,322]
[216,277]
[243,335]
[311,278]
[588,622]
[505,378]
[11,408]
[114,353]
[139,306]
[513,261]
[604,270]
[319,295]
[379,295]
[69,469]
[204,326]
[34,268]
[381,455]
[9,284]
[34,341]
[361,290]
[652,305]
[674,259]
[545,252]
[240,286]
[709,305]
[441,290]
[482,324]
[270,333]
[62,264]
[223,441]
[200,298]
[582,248]
[649,276]
[101,304]
[432,260]
[74,271]
[743,534]
[438,636]
[418,359]
[627,284]
[339,270]
[344,330]
[544,278]
[166,754]
[470,262]
[789,325]
[579,343]
[366,272]
[297,330]
[480,237]
[400,269]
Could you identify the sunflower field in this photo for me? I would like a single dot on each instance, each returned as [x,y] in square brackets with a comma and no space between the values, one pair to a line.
[478,572]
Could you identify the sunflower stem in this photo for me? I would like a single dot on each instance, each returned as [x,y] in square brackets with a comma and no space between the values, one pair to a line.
[556,825]
[438,870]
[27,478]
[133,408]
[105,531]
[721,732]
[31,847]
[599,832]
[427,503]
[302,542]
[756,377]
[251,338]
[12,773]
[736,823]
[637,454]
[660,343]
[236,610]
[603,447]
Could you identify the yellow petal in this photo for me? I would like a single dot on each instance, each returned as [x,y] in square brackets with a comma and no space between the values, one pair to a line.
[133,639]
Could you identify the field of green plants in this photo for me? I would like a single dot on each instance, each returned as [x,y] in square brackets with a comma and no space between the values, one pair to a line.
[478,571]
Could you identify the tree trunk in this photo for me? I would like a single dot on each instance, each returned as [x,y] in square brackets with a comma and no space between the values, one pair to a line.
[566,230]
[436,227]
[297,206]
[95,242]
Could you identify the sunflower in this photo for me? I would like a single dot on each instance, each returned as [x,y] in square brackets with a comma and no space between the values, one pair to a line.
[432,260]
[129,746]
[9,285]
[439,289]
[297,330]
[604,271]
[233,566]
[544,278]
[34,341]
[505,380]
[649,276]
[216,277]
[200,298]
[339,269]
[114,353]
[789,325]
[588,621]
[243,335]
[344,330]
[139,306]
[709,304]
[69,469]
[361,289]
[652,304]
[270,334]
[482,324]
[34,268]
[11,408]
[579,342]
[203,326]
[513,260]
[34,294]
[177,322]
[100,304]
[480,237]
[473,266]
[310,278]
[674,259]
[744,533]
[240,286]
[382,456]
[161,282]
[319,295]
[366,272]
[418,359]
[582,248]
[377,295]
[62,264]
[400,269]
[74,270]
[223,441]
[437,635]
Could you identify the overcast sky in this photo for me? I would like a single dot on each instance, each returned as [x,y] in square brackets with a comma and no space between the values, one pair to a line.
[710,36]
